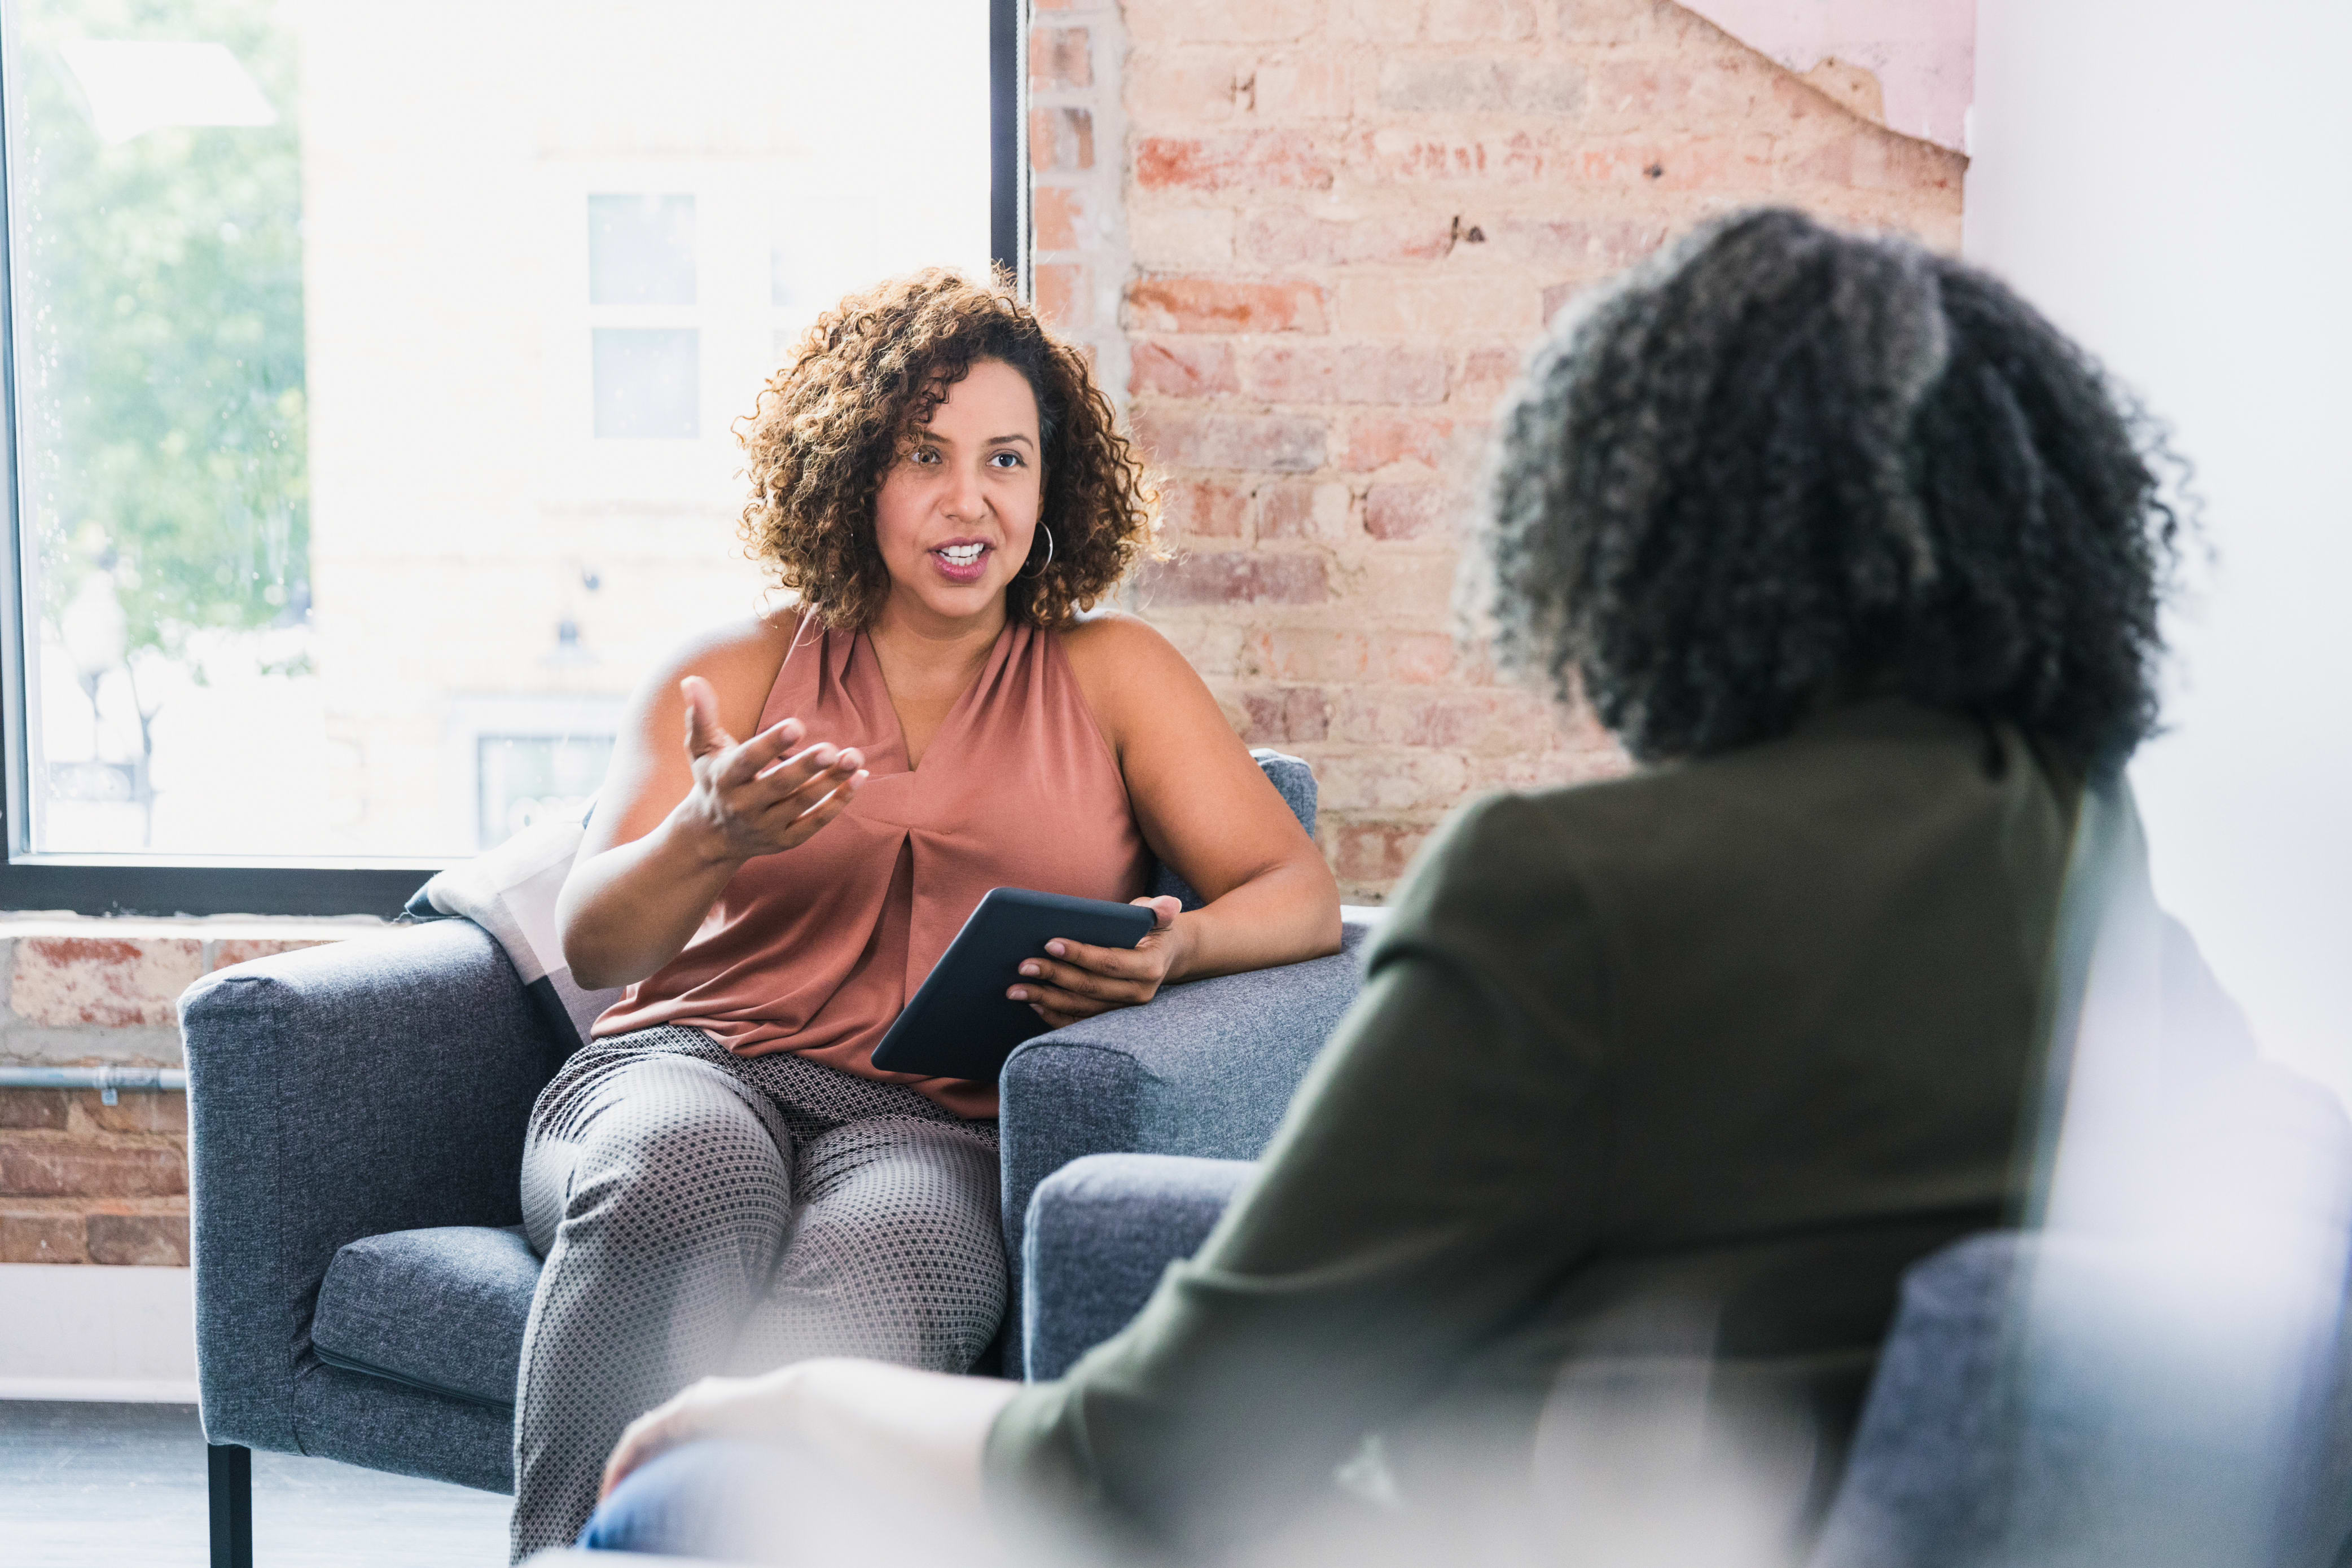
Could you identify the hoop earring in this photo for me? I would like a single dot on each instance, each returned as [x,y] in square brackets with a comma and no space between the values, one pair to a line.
[1049,554]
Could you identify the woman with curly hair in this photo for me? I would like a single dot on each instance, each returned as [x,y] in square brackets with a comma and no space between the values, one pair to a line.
[1656,1086]
[721,1178]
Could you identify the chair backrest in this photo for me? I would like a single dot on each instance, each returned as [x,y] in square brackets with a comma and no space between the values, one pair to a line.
[1292,779]
[2041,1399]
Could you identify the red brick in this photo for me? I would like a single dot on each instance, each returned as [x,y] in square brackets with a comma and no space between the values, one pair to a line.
[1394,153]
[1312,654]
[1236,577]
[1374,852]
[1059,58]
[1472,86]
[1391,780]
[1219,304]
[1353,372]
[1286,714]
[1376,441]
[1269,442]
[1743,165]
[41,1238]
[32,1110]
[153,1239]
[142,1111]
[1061,139]
[245,949]
[1303,511]
[1472,719]
[1224,21]
[1870,159]
[1652,92]
[1595,247]
[1489,370]
[60,1168]
[1055,215]
[1415,658]
[1182,368]
[1254,161]
[1285,236]
[1478,21]
[112,982]
[1408,511]
[1059,289]
[1195,509]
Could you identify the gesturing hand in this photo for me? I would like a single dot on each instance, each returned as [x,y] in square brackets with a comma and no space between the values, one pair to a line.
[1076,980]
[749,797]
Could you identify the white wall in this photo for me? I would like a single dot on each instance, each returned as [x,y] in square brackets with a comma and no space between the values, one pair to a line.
[2168,180]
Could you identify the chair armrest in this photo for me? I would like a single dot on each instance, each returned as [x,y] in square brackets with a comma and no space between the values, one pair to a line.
[1206,1070]
[1102,1232]
[334,1093]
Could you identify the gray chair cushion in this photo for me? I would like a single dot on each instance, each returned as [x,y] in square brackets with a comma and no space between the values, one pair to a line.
[439,1310]
[1101,1231]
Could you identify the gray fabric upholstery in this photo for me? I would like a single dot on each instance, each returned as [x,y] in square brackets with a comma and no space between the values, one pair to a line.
[1206,1070]
[2021,1413]
[336,1092]
[1101,1231]
[1292,779]
[384,1426]
[1926,1481]
[441,1309]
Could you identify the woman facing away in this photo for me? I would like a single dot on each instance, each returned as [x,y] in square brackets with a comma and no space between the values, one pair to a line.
[1862,561]
[721,1180]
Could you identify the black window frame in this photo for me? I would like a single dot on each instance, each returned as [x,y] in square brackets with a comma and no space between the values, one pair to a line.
[207,884]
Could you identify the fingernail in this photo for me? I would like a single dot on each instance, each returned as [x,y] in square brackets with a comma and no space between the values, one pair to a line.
[862,776]
[824,756]
[1029,970]
[1017,993]
[1056,948]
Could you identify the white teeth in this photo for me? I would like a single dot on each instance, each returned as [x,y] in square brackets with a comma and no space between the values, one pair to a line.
[963,555]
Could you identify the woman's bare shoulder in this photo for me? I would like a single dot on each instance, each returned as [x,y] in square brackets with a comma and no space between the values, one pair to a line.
[1120,655]
[1126,666]
[740,659]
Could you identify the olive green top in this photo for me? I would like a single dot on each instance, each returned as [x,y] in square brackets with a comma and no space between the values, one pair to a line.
[1698,1059]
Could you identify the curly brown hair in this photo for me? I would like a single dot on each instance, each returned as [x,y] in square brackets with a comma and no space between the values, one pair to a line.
[856,388]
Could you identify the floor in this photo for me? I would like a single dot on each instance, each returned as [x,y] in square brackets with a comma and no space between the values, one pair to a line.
[90,1486]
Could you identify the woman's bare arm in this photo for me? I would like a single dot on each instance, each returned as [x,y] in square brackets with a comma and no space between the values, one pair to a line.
[1207,810]
[684,804]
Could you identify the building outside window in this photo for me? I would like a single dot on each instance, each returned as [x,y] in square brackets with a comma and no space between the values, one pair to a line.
[374,376]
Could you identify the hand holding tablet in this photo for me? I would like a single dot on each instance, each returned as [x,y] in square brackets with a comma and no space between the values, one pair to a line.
[961,1023]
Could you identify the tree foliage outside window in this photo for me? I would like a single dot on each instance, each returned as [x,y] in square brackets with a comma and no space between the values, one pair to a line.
[158,283]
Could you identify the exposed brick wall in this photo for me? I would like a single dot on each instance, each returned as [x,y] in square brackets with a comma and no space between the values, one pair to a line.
[1348,220]
[82,1181]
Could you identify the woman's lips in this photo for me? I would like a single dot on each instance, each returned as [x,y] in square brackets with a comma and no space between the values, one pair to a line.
[971,570]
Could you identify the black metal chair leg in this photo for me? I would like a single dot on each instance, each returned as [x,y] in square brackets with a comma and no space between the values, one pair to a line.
[228,1482]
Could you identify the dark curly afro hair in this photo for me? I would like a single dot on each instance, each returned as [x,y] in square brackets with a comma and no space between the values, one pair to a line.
[857,387]
[1777,465]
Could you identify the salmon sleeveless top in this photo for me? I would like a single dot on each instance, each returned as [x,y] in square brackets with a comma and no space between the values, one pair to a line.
[816,949]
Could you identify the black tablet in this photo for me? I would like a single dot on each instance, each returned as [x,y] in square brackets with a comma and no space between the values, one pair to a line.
[961,1023]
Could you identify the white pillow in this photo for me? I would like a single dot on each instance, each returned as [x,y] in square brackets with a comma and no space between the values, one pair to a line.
[509,892]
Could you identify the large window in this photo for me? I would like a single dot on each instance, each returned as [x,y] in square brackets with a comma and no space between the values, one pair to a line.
[373,373]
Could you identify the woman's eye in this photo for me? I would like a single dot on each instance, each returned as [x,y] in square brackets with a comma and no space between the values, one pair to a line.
[1005,459]
[923,455]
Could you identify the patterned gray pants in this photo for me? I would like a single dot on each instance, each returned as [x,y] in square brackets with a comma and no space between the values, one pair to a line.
[702,1212]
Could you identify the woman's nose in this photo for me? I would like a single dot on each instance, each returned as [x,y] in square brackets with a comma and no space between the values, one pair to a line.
[964,497]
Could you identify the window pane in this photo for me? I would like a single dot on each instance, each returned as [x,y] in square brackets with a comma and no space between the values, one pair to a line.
[375,366]
[641,250]
[645,381]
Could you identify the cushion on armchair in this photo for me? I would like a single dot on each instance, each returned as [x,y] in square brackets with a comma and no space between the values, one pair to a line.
[440,1309]
[1101,1231]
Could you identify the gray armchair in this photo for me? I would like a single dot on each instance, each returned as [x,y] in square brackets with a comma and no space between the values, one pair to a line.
[356,1123]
